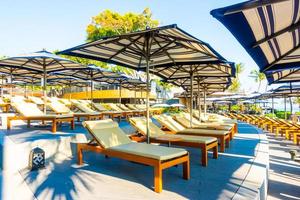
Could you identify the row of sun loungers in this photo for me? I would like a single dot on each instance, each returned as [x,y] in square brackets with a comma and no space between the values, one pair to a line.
[110,140]
[286,128]
[63,110]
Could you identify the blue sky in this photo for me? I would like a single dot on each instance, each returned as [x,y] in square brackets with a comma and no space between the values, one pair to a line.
[31,25]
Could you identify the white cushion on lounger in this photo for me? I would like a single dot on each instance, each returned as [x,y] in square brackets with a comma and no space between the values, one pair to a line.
[107,132]
[150,151]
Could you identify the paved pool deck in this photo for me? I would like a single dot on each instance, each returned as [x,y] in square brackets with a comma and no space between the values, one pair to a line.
[239,173]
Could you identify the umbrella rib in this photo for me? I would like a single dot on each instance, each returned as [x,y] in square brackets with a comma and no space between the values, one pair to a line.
[191,46]
[163,47]
[296,70]
[163,50]
[124,47]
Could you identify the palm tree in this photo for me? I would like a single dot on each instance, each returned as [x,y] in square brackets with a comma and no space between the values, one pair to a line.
[258,77]
[236,84]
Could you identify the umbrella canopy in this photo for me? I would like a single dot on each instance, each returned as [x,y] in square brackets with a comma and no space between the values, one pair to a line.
[158,47]
[284,91]
[283,76]
[268,30]
[161,105]
[42,62]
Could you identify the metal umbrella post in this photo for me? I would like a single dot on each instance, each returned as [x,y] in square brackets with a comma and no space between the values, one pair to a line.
[191,101]
[199,99]
[204,98]
[272,107]
[45,86]
[285,114]
[120,92]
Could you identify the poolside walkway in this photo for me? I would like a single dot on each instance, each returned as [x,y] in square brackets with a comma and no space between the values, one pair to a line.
[284,174]
[236,174]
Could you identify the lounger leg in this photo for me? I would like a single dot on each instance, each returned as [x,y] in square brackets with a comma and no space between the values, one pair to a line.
[79,154]
[227,142]
[54,126]
[186,169]
[295,137]
[215,150]
[28,123]
[72,124]
[8,123]
[222,145]
[158,178]
[204,156]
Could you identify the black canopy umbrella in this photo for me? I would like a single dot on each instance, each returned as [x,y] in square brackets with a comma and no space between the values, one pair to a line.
[151,48]
[42,62]
[270,33]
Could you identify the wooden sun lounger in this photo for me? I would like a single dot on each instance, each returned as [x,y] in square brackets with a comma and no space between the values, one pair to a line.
[158,136]
[178,128]
[110,114]
[60,108]
[30,112]
[88,113]
[104,130]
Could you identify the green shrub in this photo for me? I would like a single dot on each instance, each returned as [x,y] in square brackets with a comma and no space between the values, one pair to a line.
[270,115]
[280,114]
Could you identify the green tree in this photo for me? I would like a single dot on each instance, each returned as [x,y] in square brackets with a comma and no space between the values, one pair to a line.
[236,84]
[110,23]
[258,77]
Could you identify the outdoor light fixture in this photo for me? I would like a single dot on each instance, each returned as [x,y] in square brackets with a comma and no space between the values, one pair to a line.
[36,159]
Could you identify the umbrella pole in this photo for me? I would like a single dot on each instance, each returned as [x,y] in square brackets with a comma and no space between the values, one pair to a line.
[272,107]
[199,99]
[204,102]
[2,81]
[92,86]
[11,88]
[120,93]
[44,89]
[285,114]
[191,101]
[25,90]
[291,105]
[147,101]
[135,96]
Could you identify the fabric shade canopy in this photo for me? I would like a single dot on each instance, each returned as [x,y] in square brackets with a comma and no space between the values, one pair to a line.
[175,72]
[165,46]
[269,31]
[283,76]
[42,62]
[283,91]
[148,49]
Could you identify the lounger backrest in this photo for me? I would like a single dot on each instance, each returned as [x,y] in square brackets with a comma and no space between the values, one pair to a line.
[27,109]
[17,99]
[114,107]
[58,107]
[65,101]
[99,107]
[140,124]
[36,100]
[169,122]
[107,133]
[123,107]
[131,106]
[83,107]
[140,106]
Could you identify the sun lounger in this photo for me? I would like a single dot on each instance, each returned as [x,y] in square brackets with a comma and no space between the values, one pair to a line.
[176,127]
[5,106]
[60,108]
[111,114]
[125,114]
[159,136]
[184,120]
[90,113]
[110,140]
[30,111]
[135,112]
[67,102]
